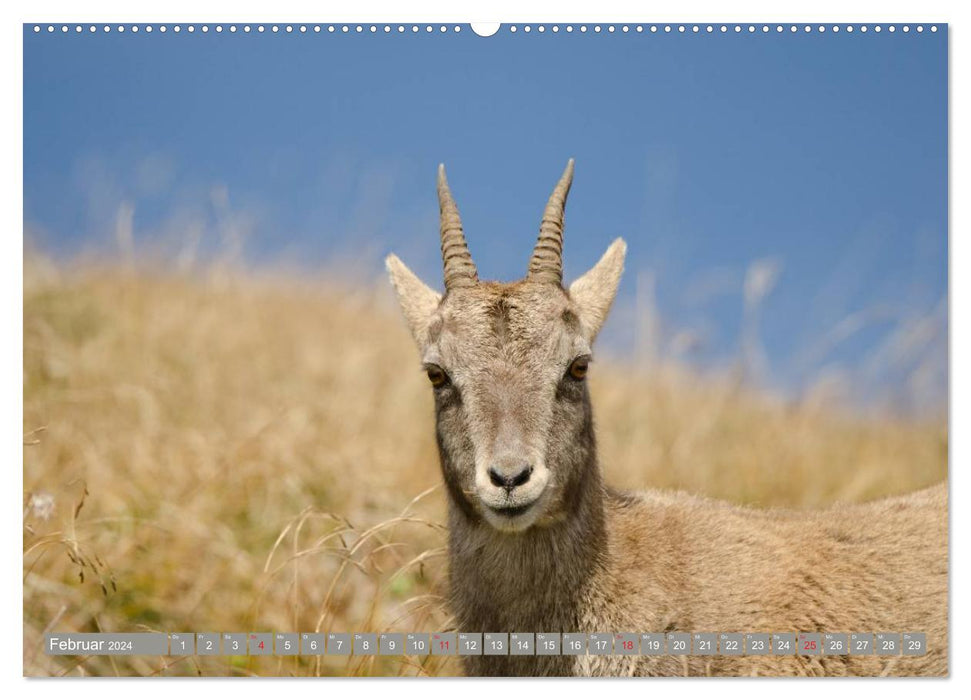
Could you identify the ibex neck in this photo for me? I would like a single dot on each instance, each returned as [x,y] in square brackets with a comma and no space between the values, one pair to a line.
[529,581]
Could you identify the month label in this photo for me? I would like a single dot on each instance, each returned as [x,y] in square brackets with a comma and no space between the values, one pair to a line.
[105,643]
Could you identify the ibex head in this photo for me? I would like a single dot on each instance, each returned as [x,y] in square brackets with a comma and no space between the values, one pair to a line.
[508,365]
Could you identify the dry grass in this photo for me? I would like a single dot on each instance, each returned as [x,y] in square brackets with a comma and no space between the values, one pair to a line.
[221,452]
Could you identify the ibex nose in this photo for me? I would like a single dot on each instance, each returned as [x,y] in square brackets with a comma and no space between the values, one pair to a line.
[510,478]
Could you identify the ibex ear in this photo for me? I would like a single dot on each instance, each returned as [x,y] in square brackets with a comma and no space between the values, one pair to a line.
[594,292]
[418,300]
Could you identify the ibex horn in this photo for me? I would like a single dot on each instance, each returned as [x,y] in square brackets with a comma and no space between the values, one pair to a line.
[459,269]
[546,265]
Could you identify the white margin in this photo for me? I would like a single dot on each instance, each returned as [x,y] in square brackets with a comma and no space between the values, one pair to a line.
[508,11]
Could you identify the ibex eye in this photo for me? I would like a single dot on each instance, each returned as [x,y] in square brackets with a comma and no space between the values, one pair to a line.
[436,375]
[578,368]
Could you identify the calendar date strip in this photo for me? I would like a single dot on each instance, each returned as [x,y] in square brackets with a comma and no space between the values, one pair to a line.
[486,643]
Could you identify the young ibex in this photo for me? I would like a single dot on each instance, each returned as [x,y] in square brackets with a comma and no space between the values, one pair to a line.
[537,543]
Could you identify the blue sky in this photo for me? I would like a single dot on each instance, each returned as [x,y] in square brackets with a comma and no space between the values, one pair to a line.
[820,159]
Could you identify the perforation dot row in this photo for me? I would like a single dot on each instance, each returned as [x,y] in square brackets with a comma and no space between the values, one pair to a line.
[442,29]
[723,28]
[246,28]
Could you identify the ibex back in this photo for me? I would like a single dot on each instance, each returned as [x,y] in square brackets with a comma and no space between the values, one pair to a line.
[537,543]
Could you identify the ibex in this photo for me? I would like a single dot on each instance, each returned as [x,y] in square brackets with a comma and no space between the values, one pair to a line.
[538,543]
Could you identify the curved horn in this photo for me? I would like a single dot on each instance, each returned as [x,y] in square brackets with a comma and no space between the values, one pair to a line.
[546,265]
[459,268]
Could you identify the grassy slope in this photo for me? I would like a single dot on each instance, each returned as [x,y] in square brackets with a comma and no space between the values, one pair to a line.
[240,447]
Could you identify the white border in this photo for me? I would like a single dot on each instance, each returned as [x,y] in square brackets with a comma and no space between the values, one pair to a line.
[520,11]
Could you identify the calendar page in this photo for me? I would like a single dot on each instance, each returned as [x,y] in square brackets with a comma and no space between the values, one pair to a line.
[436,349]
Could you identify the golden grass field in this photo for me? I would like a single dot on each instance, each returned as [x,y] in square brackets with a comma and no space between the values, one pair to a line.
[227,451]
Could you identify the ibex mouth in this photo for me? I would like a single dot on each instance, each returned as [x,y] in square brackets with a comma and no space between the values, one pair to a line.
[513,511]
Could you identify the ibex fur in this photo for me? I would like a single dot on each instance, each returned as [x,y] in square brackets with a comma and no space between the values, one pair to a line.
[537,542]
